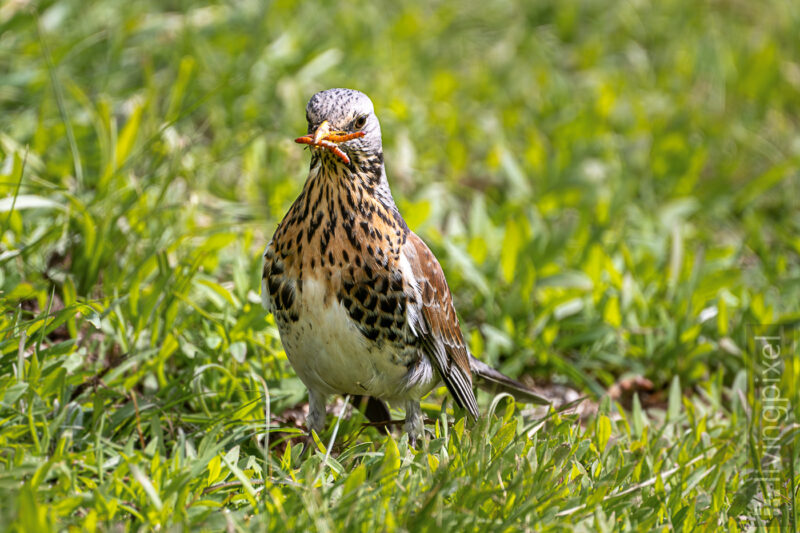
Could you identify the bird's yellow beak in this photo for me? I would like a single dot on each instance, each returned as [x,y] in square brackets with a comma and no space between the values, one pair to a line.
[322,132]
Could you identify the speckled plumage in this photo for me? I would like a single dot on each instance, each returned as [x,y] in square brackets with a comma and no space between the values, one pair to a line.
[361,303]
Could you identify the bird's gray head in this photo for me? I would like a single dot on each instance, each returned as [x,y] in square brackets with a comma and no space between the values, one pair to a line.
[344,120]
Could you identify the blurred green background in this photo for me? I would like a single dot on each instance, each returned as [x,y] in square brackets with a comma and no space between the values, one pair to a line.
[612,189]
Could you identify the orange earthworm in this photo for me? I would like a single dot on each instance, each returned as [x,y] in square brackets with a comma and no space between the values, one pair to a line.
[340,138]
[330,141]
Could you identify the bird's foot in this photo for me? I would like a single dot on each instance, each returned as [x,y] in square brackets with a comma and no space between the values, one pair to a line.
[308,442]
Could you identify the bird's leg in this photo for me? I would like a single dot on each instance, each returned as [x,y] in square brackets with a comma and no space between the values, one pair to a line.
[316,411]
[315,421]
[414,422]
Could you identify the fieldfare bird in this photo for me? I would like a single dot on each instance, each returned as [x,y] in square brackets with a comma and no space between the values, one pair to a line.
[361,303]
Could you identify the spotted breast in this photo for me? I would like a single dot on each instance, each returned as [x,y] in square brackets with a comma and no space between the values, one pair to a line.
[342,291]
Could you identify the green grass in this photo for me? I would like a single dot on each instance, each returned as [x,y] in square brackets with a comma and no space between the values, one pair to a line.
[611,188]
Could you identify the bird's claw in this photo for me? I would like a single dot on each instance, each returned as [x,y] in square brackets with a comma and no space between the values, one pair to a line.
[307,440]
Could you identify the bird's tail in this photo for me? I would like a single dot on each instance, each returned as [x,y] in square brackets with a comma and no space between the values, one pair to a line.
[493,381]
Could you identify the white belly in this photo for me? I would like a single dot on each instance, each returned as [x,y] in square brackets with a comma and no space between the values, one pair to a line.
[332,356]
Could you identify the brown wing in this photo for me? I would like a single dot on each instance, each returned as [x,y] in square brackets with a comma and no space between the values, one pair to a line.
[438,326]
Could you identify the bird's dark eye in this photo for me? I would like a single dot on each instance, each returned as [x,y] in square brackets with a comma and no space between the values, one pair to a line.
[360,122]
